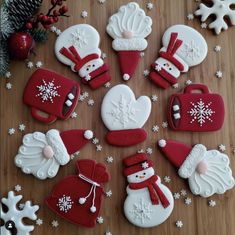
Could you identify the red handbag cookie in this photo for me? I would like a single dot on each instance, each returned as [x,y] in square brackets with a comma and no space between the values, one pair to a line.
[50,96]
[192,111]
[78,198]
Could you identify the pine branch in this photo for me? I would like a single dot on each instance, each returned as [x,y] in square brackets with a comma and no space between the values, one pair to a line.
[39,35]
[4,58]
[5,25]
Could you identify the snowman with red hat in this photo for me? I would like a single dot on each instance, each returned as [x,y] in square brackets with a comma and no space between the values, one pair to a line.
[149,202]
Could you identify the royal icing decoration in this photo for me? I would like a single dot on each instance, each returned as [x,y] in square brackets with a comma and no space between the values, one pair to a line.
[221,9]
[208,171]
[78,47]
[13,218]
[183,47]
[42,154]
[129,28]
[148,203]
[65,203]
[124,116]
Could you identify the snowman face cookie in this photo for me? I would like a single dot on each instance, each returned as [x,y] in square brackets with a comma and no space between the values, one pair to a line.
[140,176]
[90,67]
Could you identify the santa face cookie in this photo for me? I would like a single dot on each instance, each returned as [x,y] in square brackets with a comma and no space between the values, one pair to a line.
[50,96]
[124,116]
[148,202]
[42,154]
[129,28]
[77,198]
[183,47]
[191,111]
[78,47]
[208,171]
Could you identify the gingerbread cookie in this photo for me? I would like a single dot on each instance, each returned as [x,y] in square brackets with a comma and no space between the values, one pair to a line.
[78,47]
[124,116]
[50,96]
[77,198]
[208,171]
[183,47]
[129,28]
[192,111]
[42,154]
[149,202]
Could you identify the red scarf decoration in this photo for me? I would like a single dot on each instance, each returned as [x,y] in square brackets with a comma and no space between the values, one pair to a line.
[154,191]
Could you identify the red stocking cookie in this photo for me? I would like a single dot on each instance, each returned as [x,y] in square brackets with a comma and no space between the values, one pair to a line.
[42,154]
[129,28]
[78,47]
[51,96]
[124,116]
[192,111]
[77,198]
[183,47]
[149,202]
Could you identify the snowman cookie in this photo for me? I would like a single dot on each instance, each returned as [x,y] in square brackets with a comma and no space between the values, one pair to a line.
[42,154]
[183,47]
[124,116]
[129,28]
[78,47]
[148,202]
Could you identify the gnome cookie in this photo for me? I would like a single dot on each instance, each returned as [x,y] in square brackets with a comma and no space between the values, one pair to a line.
[42,154]
[207,171]
[78,47]
[50,96]
[149,202]
[191,111]
[77,198]
[183,47]
[124,116]
[129,28]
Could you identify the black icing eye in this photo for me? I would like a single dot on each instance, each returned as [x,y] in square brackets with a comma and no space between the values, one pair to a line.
[144,173]
[93,65]
[87,69]
[170,68]
[136,176]
[164,64]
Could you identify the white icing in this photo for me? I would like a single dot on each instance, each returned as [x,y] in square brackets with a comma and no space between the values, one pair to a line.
[140,176]
[194,47]
[140,211]
[220,9]
[130,18]
[120,110]
[90,66]
[132,44]
[30,156]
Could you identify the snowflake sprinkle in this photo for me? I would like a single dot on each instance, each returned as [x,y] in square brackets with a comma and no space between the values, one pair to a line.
[108,193]
[101,1]
[90,102]
[219,74]
[38,64]
[8,86]
[109,159]
[212,203]
[84,14]
[74,115]
[203,25]
[8,74]
[146,72]
[65,203]
[183,192]
[22,127]
[30,65]
[54,223]
[149,6]
[188,201]
[175,86]
[190,16]
[98,147]
[18,188]
[217,48]
[145,165]
[179,224]
[222,147]
[154,98]
[164,125]
[188,82]
[149,151]
[176,196]
[11,131]
[155,128]
[167,179]
[39,222]
[142,54]
[107,84]
[95,141]
[100,220]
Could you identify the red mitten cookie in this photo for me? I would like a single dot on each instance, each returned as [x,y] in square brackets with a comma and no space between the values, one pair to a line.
[78,198]
[192,111]
[50,96]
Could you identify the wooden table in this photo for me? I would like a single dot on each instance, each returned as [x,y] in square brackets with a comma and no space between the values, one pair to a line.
[198,218]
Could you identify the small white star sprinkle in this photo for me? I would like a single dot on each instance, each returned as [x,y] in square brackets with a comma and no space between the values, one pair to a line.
[146,72]
[22,127]
[154,98]
[8,86]
[39,222]
[90,102]
[53,29]
[164,125]
[84,14]
[183,192]
[222,147]
[142,54]
[103,55]
[217,48]
[145,165]
[149,6]
[140,151]
[11,131]
[188,82]
[190,16]
[149,151]
[8,74]
[109,159]
[38,64]
[18,188]
[155,128]
[187,200]
[175,86]
[58,32]
[167,179]
[108,233]
[176,196]
[179,224]
[95,141]
[212,203]
[204,25]
[108,193]
[98,147]
[21,206]
[101,1]
[107,84]
[219,74]
[54,223]
[100,220]
[74,115]
[30,65]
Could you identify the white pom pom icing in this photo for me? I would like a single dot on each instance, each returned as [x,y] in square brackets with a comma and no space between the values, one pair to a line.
[82,200]
[126,77]
[93,209]
[88,134]
[162,143]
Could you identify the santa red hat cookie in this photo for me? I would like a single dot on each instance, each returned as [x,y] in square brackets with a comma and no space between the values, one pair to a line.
[78,47]
[42,154]
[124,116]
[77,198]
[190,111]
[149,202]
[183,47]
[129,28]
[208,171]
[50,96]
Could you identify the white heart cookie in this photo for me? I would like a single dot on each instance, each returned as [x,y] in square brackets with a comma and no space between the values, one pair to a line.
[121,111]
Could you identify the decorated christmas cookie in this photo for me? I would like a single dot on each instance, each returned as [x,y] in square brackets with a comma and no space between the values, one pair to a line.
[12,219]
[129,28]
[149,202]
[124,116]
[42,154]
[77,198]
[183,47]
[208,171]
[221,9]
[192,111]
[50,96]
[78,47]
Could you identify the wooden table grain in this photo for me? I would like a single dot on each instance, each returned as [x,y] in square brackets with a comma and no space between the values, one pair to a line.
[198,218]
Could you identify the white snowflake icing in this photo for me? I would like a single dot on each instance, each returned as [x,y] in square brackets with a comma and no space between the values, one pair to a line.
[149,6]
[22,127]
[179,224]
[107,84]
[30,65]
[79,38]
[144,165]
[48,91]
[142,211]
[39,222]
[201,112]
[98,148]
[84,14]
[158,67]
[11,131]
[222,147]
[149,151]
[176,196]
[65,203]
[188,201]
[39,64]
[100,220]
[109,159]
[154,98]
[146,72]
[164,124]
[74,115]
[219,74]
[191,50]
[54,223]
[212,203]
[183,192]
[18,188]
[155,128]
[108,193]
[167,179]
[90,102]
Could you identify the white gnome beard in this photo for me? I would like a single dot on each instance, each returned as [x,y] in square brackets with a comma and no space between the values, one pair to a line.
[217,179]
[140,176]
[90,67]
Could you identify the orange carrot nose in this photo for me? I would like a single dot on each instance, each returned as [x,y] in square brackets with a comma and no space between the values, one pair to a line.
[141,177]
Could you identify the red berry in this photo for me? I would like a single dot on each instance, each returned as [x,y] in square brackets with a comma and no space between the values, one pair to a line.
[65,9]
[59,3]
[50,20]
[56,19]
[29,25]
[55,13]
[40,17]
[45,18]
